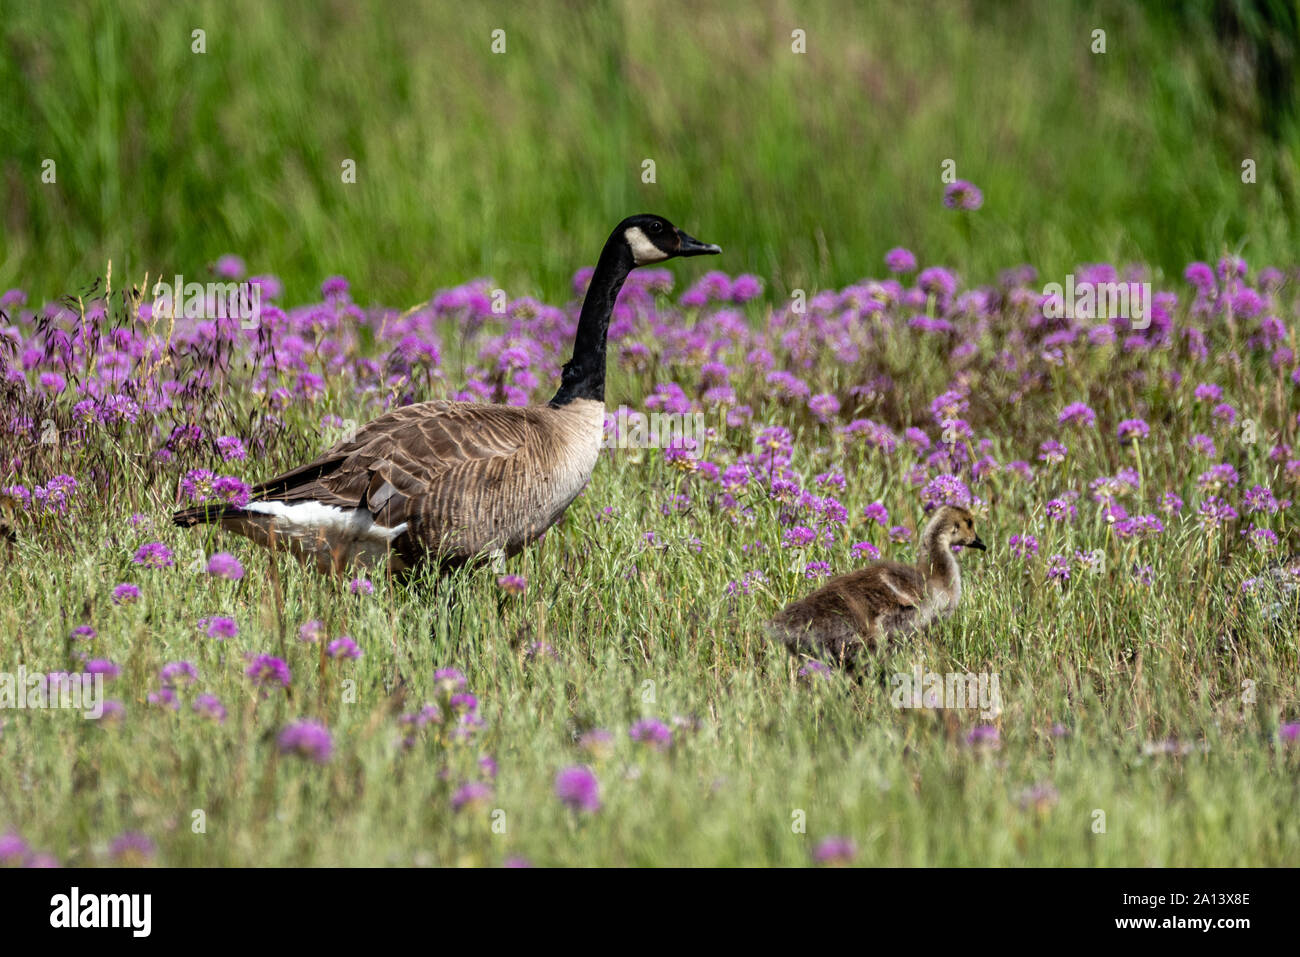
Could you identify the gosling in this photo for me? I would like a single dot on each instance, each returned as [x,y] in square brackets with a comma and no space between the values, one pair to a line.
[860,610]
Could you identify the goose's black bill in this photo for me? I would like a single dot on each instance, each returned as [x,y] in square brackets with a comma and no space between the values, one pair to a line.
[690,246]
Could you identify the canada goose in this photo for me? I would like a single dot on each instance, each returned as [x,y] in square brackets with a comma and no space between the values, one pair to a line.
[859,609]
[455,481]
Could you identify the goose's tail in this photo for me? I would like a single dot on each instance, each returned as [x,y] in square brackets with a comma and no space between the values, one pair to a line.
[208,514]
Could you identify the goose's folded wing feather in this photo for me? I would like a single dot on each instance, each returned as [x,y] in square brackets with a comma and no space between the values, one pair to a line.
[402,455]
[903,583]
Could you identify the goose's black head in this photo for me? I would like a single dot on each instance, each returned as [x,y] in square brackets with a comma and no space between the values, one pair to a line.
[636,241]
[652,239]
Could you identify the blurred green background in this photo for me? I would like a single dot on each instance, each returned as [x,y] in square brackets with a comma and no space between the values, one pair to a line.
[806,168]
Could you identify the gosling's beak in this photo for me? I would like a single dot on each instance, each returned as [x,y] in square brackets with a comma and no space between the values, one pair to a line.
[690,246]
[979,543]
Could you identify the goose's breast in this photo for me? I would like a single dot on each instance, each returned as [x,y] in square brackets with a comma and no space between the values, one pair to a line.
[559,468]
[576,450]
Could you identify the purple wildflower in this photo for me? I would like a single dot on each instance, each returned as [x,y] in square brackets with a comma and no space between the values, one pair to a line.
[864,551]
[225,565]
[126,594]
[307,739]
[1052,452]
[343,647]
[1023,546]
[471,796]
[655,734]
[1130,430]
[102,666]
[813,668]
[154,555]
[578,788]
[207,706]
[333,287]
[835,851]
[512,584]
[267,670]
[219,627]
[448,681]
[945,490]
[1079,413]
[963,195]
[984,735]
[899,259]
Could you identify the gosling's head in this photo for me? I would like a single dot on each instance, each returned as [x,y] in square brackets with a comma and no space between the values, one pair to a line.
[954,525]
[652,239]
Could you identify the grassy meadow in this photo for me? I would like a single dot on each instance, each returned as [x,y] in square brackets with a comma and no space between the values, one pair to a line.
[806,167]
[1139,604]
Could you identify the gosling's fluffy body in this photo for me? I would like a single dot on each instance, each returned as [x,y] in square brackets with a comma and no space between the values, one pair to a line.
[862,609]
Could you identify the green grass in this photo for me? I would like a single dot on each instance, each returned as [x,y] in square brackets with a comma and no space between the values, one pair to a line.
[805,168]
[1121,666]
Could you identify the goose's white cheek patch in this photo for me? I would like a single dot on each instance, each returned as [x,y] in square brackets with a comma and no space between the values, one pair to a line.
[643,251]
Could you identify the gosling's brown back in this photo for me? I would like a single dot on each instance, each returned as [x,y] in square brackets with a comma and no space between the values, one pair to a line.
[852,612]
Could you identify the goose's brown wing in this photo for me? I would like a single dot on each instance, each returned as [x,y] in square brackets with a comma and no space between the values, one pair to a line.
[401,456]
[901,583]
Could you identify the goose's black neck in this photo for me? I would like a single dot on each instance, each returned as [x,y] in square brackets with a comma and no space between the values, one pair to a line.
[583,376]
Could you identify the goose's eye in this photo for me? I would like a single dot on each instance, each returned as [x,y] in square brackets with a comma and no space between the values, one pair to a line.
[656,227]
